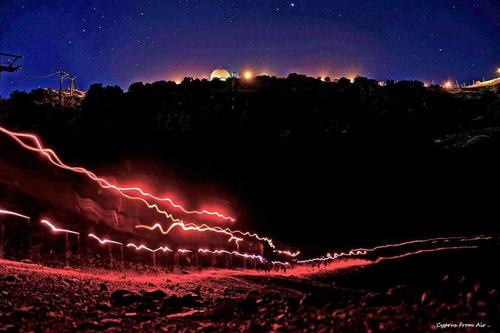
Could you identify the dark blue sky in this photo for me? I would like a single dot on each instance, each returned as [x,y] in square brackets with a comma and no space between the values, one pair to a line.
[118,42]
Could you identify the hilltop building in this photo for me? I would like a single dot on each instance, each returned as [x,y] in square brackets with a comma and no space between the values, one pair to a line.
[220,73]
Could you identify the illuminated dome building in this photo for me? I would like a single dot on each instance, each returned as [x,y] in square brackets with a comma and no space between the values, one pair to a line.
[220,73]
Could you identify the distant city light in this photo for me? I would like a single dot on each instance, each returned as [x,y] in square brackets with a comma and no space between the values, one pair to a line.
[247,75]
[448,85]
[498,70]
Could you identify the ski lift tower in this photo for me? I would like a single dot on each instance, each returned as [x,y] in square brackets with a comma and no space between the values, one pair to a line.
[8,63]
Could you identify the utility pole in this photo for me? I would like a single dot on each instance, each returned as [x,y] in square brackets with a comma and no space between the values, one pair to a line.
[72,83]
[62,75]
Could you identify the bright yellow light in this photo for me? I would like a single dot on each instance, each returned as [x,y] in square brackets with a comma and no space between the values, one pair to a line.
[247,75]
[448,85]
[498,70]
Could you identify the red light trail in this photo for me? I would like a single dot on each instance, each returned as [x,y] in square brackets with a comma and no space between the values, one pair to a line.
[245,255]
[189,227]
[54,159]
[424,251]
[8,212]
[364,251]
[288,253]
[144,247]
[204,227]
[36,146]
[55,229]
[328,257]
[104,241]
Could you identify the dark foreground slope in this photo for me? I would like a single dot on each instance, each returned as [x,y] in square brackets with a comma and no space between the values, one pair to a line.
[418,293]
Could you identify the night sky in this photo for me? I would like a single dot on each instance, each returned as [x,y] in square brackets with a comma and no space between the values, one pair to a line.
[119,42]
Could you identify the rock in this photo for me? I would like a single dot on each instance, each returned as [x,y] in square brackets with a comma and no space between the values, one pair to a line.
[103,287]
[155,294]
[375,299]
[224,308]
[111,321]
[10,279]
[171,304]
[253,327]
[248,305]
[103,307]
[122,297]
[191,300]
[397,294]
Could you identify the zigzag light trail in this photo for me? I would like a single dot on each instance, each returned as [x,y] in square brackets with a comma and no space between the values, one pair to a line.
[204,227]
[364,251]
[55,229]
[244,255]
[287,253]
[104,241]
[54,159]
[144,247]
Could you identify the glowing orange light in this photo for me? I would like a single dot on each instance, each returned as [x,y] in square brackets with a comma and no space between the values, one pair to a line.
[247,75]
[448,85]
[55,229]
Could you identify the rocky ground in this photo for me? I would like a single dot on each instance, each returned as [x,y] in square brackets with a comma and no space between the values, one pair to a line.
[415,294]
